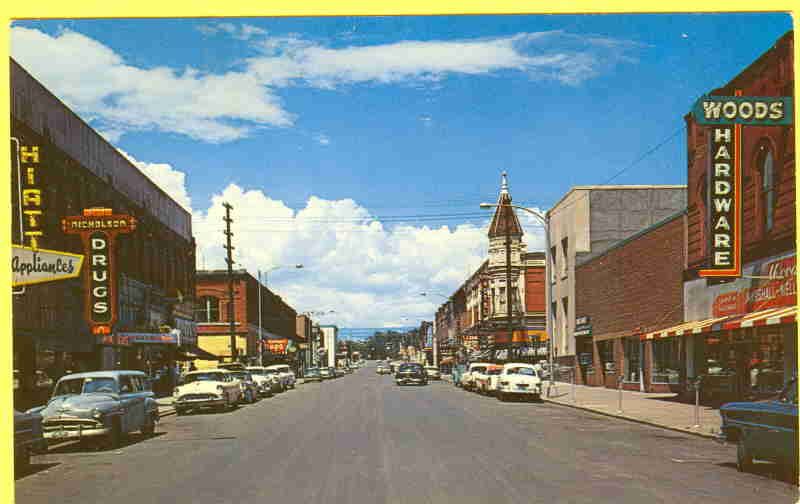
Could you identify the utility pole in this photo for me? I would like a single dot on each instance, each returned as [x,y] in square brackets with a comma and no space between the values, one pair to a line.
[509,296]
[260,343]
[229,260]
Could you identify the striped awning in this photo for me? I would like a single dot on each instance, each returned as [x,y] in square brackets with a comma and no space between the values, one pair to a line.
[694,327]
[774,316]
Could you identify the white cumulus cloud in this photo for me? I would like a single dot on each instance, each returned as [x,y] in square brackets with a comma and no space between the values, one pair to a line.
[172,181]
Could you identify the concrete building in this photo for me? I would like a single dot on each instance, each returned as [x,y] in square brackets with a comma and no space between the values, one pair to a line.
[330,334]
[304,334]
[69,167]
[278,320]
[587,221]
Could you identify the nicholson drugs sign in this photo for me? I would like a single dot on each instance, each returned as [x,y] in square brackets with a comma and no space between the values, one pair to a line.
[726,116]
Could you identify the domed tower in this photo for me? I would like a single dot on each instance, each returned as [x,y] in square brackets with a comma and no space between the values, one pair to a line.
[505,246]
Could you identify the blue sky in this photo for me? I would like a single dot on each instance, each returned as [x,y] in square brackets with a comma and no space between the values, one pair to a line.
[403,115]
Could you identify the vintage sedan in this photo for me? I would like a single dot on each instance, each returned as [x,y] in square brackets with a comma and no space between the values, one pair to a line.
[209,388]
[433,373]
[266,385]
[411,372]
[99,406]
[487,380]
[519,380]
[383,369]
[28,438]
[763,430]
[248,386]
[467,380]
[285,373]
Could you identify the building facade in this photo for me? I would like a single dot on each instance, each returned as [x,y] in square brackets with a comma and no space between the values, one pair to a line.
[740,334]
[61,166]
[330,335]
[587,221]
[632,288]
[304,332]
[270,342]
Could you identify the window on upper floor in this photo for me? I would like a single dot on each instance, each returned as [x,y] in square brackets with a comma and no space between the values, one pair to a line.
[552,264]
[766,168]
[208,309]
[564,255]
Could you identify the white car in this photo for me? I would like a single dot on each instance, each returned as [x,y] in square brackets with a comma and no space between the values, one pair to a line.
[433,372]
[209,388]
[486,380]
[263,379]
[468,379]
[521,380]
[285,373]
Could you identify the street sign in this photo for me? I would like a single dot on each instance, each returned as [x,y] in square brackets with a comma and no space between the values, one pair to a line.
[32,266]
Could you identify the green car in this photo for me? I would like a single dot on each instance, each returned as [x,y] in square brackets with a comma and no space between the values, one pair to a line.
[763,430]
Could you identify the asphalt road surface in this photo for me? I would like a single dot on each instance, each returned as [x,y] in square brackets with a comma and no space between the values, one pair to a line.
[362,439]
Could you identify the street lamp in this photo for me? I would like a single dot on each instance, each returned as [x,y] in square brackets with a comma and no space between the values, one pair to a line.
[273,268]
[545,220]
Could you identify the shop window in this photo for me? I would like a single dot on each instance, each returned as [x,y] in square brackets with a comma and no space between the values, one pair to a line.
[767,169]
[208,310]
[666,361]
[632,359]
[606,351]
[766,363]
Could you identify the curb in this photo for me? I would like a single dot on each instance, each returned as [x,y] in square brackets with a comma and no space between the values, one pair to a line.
[166,412]
[635,420]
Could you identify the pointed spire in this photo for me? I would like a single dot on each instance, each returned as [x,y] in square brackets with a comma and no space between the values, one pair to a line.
[504,215]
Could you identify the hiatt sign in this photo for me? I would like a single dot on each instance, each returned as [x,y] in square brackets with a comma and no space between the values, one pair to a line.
[98,228]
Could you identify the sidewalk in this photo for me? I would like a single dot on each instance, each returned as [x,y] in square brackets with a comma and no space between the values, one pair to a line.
[661,410]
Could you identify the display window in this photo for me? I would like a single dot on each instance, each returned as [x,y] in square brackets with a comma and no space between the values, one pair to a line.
[666,361]
[632,359]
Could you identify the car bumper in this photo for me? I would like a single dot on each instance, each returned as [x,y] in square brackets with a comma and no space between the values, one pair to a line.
[199,403]
[60,435]
[404,380]
[534,391]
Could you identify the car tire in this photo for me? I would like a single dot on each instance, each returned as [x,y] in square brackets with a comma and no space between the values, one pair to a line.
[113,439]
[744,460]
[149,427]
[180,411]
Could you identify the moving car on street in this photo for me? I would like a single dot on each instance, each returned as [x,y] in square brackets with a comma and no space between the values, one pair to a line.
[28,438]
[263,380]
[519,380]
[411,372]
[99,406]
[487,380]
[433,373]
[467,380]
[247,385]
[209,388]
[764,430]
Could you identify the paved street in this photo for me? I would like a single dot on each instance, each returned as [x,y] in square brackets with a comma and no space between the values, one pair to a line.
[360,438]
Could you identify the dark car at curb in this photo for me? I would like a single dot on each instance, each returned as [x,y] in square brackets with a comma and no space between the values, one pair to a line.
[763,430]
[28,439]
[411,373]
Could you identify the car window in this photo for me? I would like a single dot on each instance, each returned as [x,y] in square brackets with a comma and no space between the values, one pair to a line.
[197,377]
[108,385]
[125,385]
[69,387]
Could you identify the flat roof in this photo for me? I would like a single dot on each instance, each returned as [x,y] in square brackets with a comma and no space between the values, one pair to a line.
[614,187]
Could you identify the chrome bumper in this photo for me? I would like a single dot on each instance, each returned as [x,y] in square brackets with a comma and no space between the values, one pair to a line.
[71,434]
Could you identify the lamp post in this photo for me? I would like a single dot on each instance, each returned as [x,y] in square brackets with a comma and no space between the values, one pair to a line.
[260,286]
[545,220]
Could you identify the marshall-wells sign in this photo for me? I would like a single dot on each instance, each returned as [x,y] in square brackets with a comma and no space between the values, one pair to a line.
[727,115]
[98,229]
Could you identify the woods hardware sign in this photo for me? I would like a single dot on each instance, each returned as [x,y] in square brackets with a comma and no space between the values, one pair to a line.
[727,115]
[98,229]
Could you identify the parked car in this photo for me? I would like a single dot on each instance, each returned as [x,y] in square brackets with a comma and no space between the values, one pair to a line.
[468,378]
[520,380]
[764,430]
[411,372]
[338,372]
[28,438]
[326,373]
[247,385]
[383,369]
[263,380]
[99,406]
[286,375]
[313,374]
[433,373]
[209,388]
[487,380]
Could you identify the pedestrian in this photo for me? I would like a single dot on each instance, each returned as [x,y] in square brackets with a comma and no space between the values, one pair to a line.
[192,367]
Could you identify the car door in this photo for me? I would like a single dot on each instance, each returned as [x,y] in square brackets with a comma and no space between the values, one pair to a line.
[130,395]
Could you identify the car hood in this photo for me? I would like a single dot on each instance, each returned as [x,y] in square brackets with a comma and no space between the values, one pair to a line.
[199,387]
[765,405]
[79,404]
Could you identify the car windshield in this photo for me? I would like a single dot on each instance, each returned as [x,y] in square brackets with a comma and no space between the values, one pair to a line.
[410,367]
[522,371]
[198,377]
[271,371]
[242,376]
[74,386]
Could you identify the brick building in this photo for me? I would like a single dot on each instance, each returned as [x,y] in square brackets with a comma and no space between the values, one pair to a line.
[78,169]
[278,330]
[741,334]
[631,288]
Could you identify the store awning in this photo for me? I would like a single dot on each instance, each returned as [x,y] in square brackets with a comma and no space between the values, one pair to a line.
[774,316]
[694,327]
[194,353]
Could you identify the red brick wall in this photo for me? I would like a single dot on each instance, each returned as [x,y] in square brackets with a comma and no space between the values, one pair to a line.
[219,289]
[635,287]
[534,289]
[770,75]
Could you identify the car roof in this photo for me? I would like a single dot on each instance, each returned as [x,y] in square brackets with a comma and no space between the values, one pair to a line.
[212,370]
[103,374]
